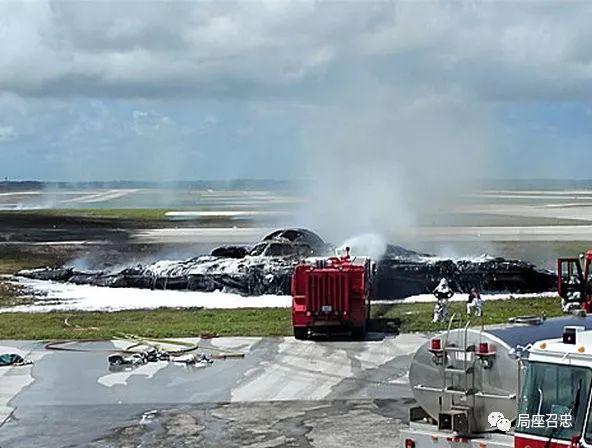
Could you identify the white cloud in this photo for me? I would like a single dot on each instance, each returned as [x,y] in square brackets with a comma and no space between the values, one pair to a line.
[144,123]
[106,85]
[7,134]
[158,49]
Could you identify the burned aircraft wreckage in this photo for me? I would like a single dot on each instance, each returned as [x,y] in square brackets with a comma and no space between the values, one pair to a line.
[266,268]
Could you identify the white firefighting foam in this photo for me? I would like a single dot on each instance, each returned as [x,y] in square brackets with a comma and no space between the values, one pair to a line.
[54,296]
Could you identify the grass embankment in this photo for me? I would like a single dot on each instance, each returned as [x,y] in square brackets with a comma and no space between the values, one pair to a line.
[241,322]
[141,214]
[10,293]
[149,323]
[9,264]
[120,217]
[192,322]
[418,316]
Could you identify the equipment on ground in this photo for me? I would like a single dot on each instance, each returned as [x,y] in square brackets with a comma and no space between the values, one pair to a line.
[484,389]
[13,359]
[133,360]
[332,295]
[574,282]
[145,350]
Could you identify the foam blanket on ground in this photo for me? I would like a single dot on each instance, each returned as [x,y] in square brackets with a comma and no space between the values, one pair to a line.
[267,269]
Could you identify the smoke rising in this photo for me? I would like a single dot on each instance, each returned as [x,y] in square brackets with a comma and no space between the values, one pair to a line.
[383,160]
[367,245]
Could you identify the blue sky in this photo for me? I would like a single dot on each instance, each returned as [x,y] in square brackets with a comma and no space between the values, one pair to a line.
[111,139]
[100,90]
[546,139]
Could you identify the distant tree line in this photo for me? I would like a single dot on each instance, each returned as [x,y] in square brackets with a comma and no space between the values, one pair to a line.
[11,185]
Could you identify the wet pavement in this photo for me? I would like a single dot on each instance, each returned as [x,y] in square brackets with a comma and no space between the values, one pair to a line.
[283,393]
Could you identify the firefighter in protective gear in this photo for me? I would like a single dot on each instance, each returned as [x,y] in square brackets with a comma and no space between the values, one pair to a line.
[474,303]
[442,293]
[574,296]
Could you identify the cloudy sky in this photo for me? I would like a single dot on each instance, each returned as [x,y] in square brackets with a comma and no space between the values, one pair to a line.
[100,90]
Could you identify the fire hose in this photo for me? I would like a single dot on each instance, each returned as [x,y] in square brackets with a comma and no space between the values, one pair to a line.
[154,352]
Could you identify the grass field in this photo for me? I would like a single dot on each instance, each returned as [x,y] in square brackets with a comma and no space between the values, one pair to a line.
[142,214]
[154,215]
[118,217]
[241,322]
[244,322]
[11,263]
[418,316]
[152,323]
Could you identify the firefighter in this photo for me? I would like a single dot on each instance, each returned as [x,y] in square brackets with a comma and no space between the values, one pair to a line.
[474,303]
[442,293]
[574,296]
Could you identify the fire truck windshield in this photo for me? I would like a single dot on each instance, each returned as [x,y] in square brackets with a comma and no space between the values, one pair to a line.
[588,430]
[553,400]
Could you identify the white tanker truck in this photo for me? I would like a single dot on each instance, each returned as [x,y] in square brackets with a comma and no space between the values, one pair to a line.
[521,385]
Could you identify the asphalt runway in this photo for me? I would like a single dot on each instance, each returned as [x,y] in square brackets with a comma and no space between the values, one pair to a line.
[283,393]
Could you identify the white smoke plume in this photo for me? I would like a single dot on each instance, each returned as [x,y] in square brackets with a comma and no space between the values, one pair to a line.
[382,158]
[367,245]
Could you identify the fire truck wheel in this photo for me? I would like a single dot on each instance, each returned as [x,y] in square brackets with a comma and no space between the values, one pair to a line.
[301,333]
[359,333]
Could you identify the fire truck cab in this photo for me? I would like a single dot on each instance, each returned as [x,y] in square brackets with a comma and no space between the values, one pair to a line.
[574,284]
[553,407]
[332,295]
[555,400]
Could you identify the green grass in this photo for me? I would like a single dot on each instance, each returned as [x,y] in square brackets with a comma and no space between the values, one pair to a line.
[120,217]
[142,214]
[418,316]
[153,323]
[10,295]
[241,322]
[168,322]
[11,263]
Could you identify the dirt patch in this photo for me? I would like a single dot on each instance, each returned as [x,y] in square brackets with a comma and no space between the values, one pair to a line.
[12,294]
[338,423]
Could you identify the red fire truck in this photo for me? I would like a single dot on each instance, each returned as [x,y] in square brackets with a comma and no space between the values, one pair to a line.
[332,295]
[511,386]
[574,284]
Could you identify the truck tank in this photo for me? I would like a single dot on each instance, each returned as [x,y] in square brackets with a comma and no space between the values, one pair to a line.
[465,374]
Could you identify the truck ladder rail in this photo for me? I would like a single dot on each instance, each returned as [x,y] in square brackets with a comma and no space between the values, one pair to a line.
[465,361]
[454,348]
[446,338]
[478,394]
[448,391]
[466,370]
[450,322]
[450,386]
[428,388]
[451,390]
[495,396]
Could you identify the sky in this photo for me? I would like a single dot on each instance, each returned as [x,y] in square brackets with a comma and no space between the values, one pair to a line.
[146,90]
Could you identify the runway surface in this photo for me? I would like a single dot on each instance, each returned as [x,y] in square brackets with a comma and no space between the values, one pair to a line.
[283,393]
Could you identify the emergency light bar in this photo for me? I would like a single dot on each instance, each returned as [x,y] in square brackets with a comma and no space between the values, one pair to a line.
[569,334]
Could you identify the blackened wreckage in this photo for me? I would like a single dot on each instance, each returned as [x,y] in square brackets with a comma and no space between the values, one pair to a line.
[267,267]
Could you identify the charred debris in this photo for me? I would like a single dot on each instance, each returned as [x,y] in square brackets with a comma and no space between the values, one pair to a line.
[266,268]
